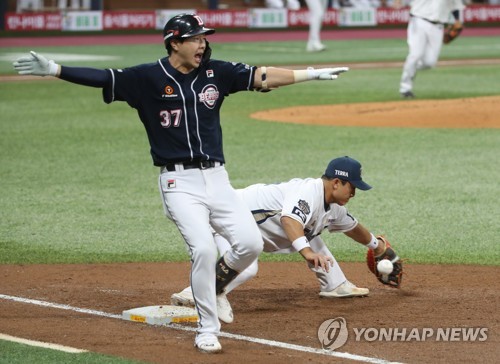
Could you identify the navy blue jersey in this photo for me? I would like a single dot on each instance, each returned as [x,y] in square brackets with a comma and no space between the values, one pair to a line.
[181,112]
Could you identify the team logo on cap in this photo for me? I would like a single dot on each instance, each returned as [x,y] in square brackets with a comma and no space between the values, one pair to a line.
[209,96]
[341,173]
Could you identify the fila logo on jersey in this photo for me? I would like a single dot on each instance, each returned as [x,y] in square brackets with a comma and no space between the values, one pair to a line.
[209,96]
[171,183]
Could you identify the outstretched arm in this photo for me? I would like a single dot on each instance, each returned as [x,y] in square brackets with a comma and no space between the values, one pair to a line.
[267,78]
[37,65]
[363,236]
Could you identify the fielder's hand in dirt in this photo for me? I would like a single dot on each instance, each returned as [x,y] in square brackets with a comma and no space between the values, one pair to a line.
[36,65]
[395,277]
[317,260]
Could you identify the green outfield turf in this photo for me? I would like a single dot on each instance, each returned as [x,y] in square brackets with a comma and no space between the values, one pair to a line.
[78,184]
[14,353]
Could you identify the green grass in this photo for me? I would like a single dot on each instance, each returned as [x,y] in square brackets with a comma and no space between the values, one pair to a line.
[267,53]
[78,184]
[13,353]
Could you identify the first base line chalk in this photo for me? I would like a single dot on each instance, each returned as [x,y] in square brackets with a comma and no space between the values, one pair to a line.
[277,344]
[41,344]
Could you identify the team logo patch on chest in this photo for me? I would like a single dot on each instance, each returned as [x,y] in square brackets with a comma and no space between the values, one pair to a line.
[169,92]
[209,96]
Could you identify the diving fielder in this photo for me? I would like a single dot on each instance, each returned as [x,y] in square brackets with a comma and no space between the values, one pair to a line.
[292,215]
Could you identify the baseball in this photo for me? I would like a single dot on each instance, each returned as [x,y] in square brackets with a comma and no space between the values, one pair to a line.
[385,266]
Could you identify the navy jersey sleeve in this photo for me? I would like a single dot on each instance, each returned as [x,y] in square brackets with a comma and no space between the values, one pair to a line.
[236,76]
[124,85]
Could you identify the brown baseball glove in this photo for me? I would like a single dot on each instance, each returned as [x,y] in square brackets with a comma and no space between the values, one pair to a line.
[394,278]
[452,31]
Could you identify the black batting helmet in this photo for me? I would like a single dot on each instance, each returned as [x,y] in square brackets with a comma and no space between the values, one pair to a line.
[184,26]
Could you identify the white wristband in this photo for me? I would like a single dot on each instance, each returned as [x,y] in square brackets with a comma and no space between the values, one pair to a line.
[301,243]
[53,68]
[304,75]
[373,244]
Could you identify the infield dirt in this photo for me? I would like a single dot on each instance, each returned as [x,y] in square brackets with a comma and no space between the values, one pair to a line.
[281,303]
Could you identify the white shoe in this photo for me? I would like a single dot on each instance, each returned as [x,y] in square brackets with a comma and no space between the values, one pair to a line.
[208,343]
[346,289]
[183,298]
[224,310]
[315,47]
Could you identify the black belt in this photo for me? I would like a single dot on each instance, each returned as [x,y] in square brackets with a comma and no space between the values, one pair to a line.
[192,165]
[430,21]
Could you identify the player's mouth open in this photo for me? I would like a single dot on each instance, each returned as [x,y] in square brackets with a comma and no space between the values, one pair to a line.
[198,57]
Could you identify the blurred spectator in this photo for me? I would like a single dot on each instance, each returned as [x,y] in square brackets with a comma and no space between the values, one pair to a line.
[365,3]
[395,4]
[29,5]
[370,3]
[280,4]
[75,4]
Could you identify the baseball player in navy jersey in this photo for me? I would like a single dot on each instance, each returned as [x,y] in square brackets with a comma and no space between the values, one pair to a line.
[178,99]
[425,37]
[292,215]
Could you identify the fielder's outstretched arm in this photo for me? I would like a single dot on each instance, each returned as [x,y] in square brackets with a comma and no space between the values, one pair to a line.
[364,237]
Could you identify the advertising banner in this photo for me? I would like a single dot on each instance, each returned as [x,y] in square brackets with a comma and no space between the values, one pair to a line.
[82,20]
[163,16]
[268,18]
[129,19]
[32,21]
[355,17]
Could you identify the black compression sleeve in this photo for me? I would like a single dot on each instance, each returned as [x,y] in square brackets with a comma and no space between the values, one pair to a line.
[85,76]
[456,14]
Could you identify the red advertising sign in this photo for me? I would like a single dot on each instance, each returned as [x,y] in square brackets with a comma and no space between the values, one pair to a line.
[225,18]
[300,18]
[230,18]
[129,19]
[33,21]
[474,14]
[392,16]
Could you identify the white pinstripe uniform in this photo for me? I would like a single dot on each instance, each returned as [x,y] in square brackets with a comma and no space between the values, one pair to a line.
[425,36]
[303,201]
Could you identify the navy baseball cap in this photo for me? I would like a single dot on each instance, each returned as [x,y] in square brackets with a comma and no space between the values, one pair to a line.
[185,26]
[347,169]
